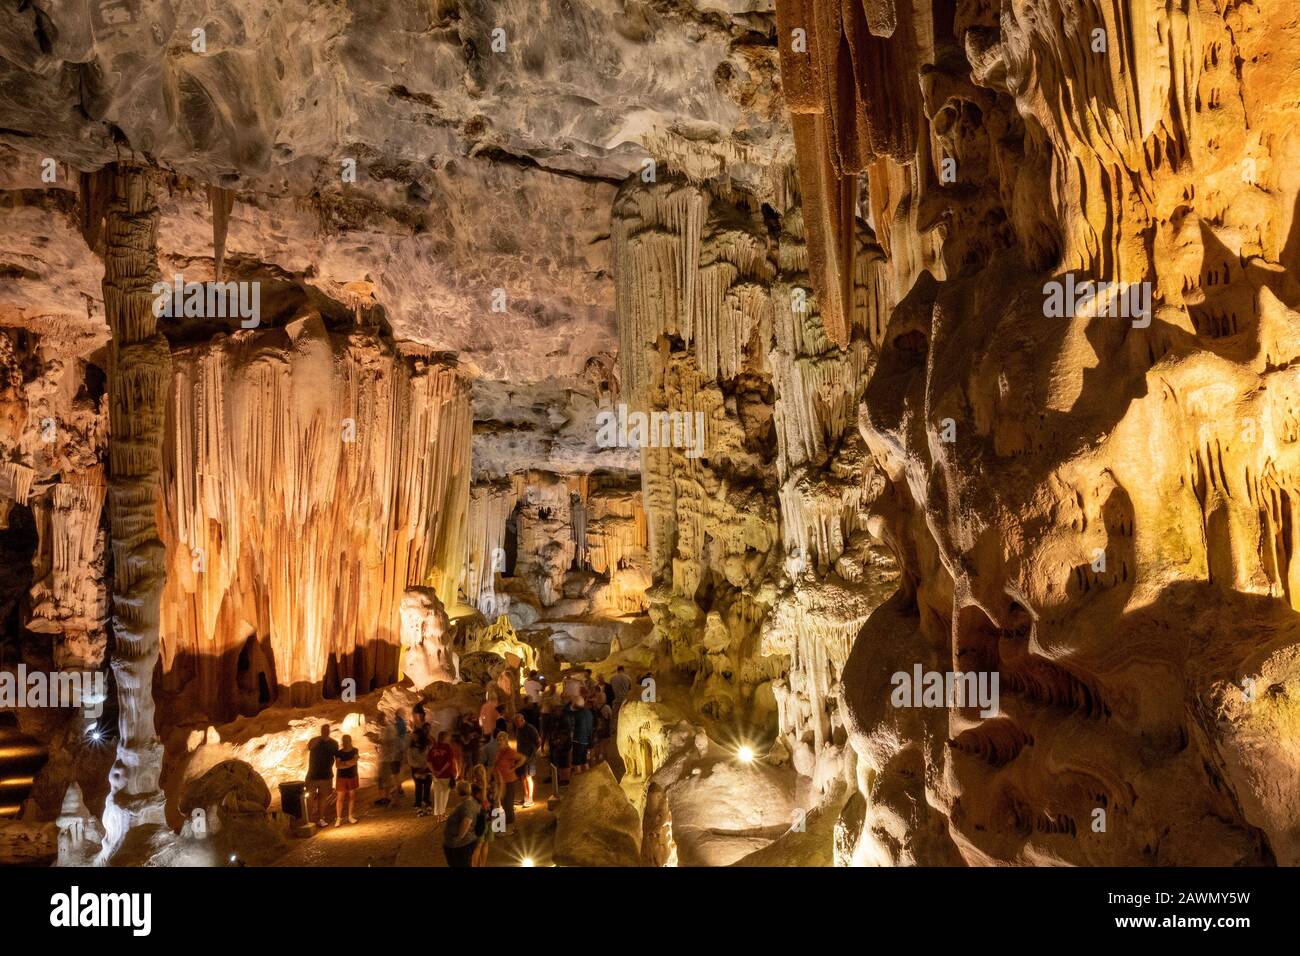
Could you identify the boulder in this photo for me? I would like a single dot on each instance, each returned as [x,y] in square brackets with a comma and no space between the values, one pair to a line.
[596,825]
[228,777]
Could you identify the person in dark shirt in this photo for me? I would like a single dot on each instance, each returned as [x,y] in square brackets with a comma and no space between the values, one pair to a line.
[321,752]
[348,781]
[527,741]
[458,836]
[559,740]
[583,726]
[470,739]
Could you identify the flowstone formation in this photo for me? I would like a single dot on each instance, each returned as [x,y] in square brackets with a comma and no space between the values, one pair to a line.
[1081,423]
[311,479]
[53,430]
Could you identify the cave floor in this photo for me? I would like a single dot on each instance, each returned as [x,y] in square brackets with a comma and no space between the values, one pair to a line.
[395,836]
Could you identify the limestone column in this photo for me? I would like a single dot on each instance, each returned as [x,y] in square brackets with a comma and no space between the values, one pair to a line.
[139,366]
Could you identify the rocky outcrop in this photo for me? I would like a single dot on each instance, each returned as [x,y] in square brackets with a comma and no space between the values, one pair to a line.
[550,547]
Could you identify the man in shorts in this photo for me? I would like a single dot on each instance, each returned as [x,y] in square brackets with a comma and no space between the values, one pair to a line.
[321,752]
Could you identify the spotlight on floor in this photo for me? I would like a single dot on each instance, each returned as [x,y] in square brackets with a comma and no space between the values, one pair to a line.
[745,754]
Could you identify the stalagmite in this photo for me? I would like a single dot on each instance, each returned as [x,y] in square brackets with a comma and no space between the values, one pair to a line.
[426,639]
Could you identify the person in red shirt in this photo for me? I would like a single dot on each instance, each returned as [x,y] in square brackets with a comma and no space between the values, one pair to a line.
[442,761]
[506,769]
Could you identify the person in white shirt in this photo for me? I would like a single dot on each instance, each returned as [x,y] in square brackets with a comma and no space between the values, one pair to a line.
[533,688]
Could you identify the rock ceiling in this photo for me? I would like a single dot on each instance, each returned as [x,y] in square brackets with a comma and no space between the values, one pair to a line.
[475,130]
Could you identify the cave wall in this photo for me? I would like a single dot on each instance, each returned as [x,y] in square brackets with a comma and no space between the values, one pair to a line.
[53,423]
[1097,507]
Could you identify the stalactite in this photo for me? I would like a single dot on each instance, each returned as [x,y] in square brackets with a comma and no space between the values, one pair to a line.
[67,594]
[545,527]
[221,202]
[848,108]
[490,505]
[1064,489]
[616,540]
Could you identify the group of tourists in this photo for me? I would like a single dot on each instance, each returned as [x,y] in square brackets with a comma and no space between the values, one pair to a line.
[471,775]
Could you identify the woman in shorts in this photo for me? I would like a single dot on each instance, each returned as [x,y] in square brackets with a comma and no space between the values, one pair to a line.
[346,782]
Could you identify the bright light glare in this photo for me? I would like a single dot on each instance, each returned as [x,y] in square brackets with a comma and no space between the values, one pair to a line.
[527,861]
[745,754]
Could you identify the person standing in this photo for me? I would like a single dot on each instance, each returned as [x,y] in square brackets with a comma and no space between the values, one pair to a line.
[533,691]
[488,753]
[508,762]
[399,761]
[559,741]
[572,685]
[470,738]
[442,761]
[321,752]
[583,728]
[487,714]
[347,783]
[482,821]
[621,684]
[417,755]
[529,742]
[604,717]
[458,837]
[387,755]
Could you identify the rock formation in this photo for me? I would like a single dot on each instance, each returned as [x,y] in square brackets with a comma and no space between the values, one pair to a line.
[1091,501]
[302,467]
